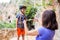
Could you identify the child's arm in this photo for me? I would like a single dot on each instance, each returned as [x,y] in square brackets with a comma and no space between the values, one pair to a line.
[38,20]
[32,32]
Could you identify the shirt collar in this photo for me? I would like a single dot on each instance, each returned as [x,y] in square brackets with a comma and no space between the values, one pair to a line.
[21,13]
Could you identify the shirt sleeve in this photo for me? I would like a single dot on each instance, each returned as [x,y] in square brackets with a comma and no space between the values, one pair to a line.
[17,16]
[40,30]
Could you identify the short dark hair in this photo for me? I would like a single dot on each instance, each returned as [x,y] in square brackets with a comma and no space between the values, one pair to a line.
[22,7]
[49,20]
[58,1]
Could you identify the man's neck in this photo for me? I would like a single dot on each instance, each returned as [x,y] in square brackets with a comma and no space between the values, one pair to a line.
[21,13]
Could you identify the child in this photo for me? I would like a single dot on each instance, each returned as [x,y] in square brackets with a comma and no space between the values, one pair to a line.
[47,30]
[19,22]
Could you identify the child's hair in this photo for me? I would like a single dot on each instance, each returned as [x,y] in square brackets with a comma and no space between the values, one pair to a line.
[22,7]
[49,20]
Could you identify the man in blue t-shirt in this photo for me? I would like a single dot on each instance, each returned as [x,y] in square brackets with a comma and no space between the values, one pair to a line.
[20,17]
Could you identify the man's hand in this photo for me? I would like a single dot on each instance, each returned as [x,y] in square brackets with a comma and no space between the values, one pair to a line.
[24,21]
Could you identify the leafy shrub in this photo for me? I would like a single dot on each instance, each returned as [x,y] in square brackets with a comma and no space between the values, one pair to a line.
[30,13]
[7,25]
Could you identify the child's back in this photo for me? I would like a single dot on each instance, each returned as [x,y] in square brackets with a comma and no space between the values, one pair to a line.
[45,34]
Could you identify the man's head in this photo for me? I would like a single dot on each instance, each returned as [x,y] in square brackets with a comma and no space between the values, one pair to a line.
[22,9]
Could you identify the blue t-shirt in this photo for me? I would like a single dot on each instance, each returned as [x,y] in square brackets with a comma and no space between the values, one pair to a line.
[21,18]
[45,34]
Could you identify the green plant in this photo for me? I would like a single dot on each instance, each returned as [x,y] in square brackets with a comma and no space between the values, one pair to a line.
[43,3]
[50,2]
[7,25]
[30,13]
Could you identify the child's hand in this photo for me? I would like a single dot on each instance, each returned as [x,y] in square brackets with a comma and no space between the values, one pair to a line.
[35,20]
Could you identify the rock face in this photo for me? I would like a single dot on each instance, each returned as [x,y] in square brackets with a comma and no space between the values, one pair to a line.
[7,34]
[57,35]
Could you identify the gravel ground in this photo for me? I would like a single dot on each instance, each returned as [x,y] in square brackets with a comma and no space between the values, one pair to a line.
[26,38]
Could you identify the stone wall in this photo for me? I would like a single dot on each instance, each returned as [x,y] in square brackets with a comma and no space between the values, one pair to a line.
[7,34]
